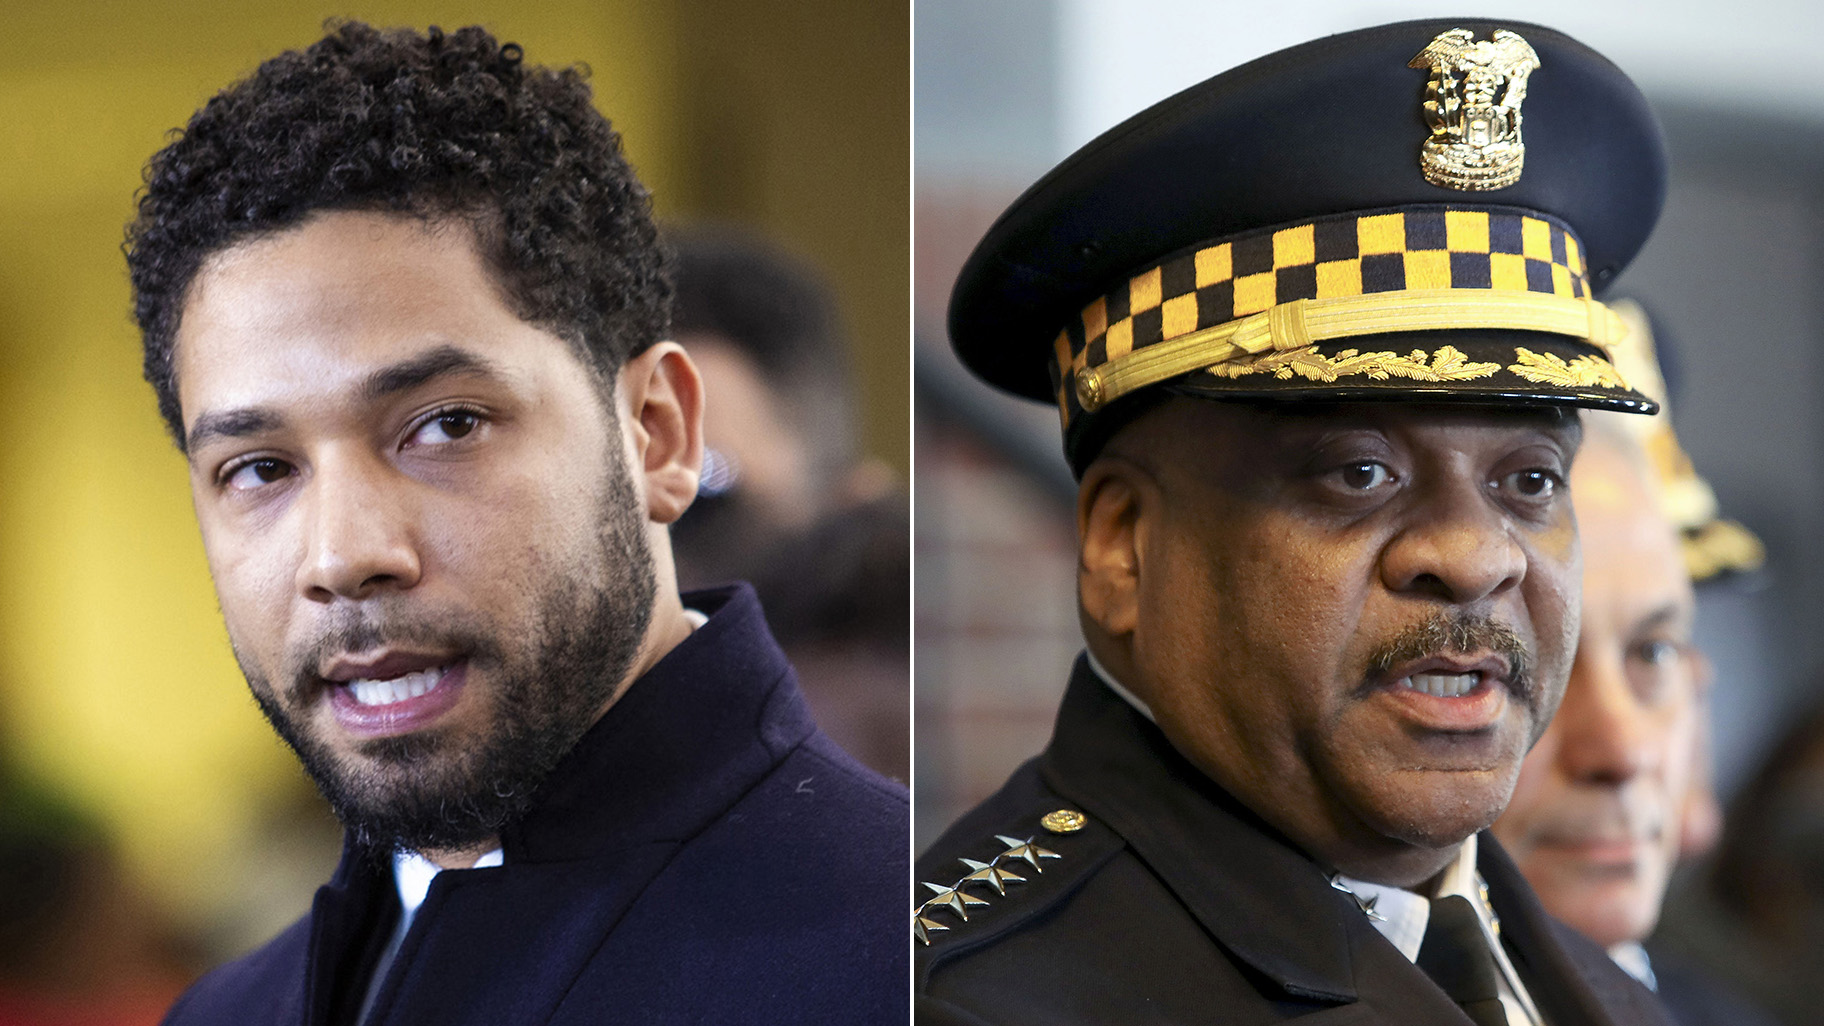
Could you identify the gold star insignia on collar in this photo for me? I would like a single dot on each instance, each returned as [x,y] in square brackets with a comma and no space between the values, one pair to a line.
[991,874]
[1018,849]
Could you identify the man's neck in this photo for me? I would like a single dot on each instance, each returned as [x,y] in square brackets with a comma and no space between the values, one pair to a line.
[1389,863]
[460,858]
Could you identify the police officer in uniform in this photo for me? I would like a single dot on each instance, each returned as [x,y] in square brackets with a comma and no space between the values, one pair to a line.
[1318,330]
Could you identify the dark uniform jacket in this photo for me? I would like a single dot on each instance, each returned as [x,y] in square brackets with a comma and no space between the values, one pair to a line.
[1172,903]
[704,855]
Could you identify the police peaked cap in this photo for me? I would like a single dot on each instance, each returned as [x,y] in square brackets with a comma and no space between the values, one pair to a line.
[1308,227]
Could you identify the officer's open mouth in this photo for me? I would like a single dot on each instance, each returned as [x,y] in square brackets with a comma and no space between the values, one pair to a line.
[1443,685]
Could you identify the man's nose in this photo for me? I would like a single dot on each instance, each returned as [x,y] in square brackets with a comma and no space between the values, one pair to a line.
[360,537]
[1459,548]
[1605,735]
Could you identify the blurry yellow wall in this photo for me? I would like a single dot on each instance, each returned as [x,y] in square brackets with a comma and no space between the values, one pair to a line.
[115,676]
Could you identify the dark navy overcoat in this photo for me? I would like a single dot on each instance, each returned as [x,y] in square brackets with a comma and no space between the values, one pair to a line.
[704,855]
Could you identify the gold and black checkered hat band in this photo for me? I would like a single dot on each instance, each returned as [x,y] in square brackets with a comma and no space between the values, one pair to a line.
[1348,255]
[1284,294]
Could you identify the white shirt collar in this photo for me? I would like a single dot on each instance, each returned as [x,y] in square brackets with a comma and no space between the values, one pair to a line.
[1401,916]
[1096,667]
[412,876]
[1634,961]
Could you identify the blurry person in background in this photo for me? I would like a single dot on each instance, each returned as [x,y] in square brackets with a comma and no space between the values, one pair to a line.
[789,501]
[1757,914]
[406,315]
[1617,789]
[79,942]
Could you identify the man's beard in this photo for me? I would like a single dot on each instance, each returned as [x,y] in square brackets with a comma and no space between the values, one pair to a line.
[545,683]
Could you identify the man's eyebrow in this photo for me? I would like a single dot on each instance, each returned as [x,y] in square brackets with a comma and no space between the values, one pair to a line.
[230,424]
[389,380]
[1667,614]
[434,363]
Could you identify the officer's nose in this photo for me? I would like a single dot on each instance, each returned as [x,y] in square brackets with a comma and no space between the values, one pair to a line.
[359,536]
[1457,548]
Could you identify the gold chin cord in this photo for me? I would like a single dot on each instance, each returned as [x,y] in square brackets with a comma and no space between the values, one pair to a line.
[1305,322]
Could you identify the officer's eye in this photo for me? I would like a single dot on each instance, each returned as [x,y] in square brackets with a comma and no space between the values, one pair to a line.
[1365,475]
[1532,484]
[1657,652]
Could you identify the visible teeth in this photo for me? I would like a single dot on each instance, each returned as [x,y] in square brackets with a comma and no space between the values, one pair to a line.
[398,689]
[1444,685]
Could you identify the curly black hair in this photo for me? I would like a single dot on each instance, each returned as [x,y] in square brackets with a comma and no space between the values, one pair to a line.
[439,125]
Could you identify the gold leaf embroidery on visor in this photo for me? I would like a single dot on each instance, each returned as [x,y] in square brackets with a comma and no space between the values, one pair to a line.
[1447,364]
[1583,372]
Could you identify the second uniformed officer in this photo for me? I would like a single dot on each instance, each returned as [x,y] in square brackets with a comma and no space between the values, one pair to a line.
[1317,329]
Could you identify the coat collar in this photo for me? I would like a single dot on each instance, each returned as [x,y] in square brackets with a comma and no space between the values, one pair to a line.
[684,742]
[1251,888]
[687,739]
[1538,950]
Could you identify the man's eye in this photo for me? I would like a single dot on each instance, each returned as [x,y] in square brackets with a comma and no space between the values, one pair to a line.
[255,473]
[1532,484]
[1658,652]
[446,427]
[1365,475]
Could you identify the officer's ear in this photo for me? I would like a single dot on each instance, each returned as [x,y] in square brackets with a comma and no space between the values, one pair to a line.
[662,410]
[1112,542]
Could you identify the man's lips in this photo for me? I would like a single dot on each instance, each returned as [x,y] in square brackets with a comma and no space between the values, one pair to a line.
[381,664]
[1612,835]
[1618,850]
[393,693]
[1449,692]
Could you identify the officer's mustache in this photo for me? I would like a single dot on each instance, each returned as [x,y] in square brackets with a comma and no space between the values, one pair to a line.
[1459,634]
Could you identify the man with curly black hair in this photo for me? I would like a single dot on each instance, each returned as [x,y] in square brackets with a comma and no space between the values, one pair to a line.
[405,313]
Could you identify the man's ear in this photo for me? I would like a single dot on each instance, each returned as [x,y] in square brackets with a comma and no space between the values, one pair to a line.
[663,415]
[1111,543]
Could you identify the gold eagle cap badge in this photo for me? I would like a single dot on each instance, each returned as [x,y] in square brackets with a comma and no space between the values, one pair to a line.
[1472,104]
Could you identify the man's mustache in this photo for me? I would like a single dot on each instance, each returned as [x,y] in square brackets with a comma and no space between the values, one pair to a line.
[1592,818]
[353,630]
[1461,634]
